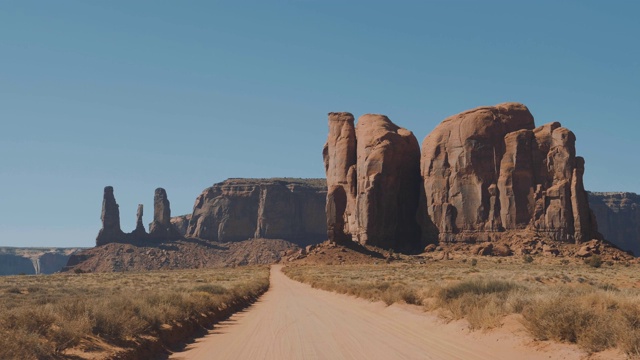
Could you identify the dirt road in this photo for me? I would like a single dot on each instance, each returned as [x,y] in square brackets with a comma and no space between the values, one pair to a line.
[294,321]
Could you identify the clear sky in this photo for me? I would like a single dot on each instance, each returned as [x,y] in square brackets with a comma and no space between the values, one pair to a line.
[183,94]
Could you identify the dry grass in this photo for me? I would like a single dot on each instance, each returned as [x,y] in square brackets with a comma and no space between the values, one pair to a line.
[42,316]
[595,307]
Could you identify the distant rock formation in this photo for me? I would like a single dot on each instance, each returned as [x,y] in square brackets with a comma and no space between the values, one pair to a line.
[161,228]
[181,223]
[339,156]
[490,169]
[33,261]
[373,177]
[618,216]
[110,217]
[241,209]
[140,231]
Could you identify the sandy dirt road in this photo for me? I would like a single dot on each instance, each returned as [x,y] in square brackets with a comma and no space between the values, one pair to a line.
[294,321]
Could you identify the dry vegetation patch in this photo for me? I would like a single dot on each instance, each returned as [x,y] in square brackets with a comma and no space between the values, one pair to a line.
[52,316]
[569,301]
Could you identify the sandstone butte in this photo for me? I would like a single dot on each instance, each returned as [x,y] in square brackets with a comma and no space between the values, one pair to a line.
[481,174]
[231,211]
[618,215]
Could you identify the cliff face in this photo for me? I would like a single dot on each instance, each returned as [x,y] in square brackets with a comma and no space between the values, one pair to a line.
[241,209]
[373,176]
[484,172]
[31,261]
[618,216]
[181,223]
[489,169]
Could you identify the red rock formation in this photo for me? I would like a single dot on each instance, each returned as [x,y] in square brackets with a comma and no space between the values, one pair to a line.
[489,169]
[388,184]
[110,217]
[241,209]
[140,233]
[618,215]
[373,178]
[339,155]
[161,227]
[181,223]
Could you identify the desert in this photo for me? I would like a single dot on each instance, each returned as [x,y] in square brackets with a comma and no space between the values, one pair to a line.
[319,180]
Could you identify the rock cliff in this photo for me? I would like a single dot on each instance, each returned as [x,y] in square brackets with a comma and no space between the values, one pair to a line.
[618,216]
[373,180]
[490,170]
[181,223]
[241,209]
[32,261]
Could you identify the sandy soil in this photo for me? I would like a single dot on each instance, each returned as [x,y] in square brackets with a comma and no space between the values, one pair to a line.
[294,321]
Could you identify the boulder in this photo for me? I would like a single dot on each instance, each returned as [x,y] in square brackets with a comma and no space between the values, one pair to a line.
[430,248]
[484,249]
[501,250]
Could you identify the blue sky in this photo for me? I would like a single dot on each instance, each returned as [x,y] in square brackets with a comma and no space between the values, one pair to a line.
[183,94]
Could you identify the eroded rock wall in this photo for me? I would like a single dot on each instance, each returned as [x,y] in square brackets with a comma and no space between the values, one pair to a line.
[490,169]
[618,217]
[241,209]
[339,155]
[373,178]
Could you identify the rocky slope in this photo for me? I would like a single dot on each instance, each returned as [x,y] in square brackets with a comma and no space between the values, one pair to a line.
[32,261]
[179,254]
[618,216]
[241,209]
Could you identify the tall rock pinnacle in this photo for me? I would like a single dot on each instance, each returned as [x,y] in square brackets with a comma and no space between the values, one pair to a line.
[339,155]
[161,227]
[373,179]
[110,217]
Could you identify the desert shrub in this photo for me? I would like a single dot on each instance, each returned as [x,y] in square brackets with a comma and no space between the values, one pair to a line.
[585,319]
[114,318]
[476,287]
[22,344]
[211,289]
[593,261]
[481,301]
[42,316]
